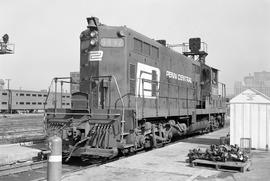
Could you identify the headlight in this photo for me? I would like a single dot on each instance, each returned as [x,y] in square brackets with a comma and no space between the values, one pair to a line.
[93,34]
[93,42]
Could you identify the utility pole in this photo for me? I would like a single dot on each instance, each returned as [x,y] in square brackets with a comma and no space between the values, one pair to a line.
[9,98]
[8,82]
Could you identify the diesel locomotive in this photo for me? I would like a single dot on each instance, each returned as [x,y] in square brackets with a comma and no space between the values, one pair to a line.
[136,93]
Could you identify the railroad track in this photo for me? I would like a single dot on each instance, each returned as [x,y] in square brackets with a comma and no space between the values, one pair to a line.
[19,138]
[8,171]
[72,166]
[20,128]
[21,167]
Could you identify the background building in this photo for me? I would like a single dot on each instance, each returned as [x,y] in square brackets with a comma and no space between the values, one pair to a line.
[238,87]
[75,79]
[30,101]
[259,81]
[2,83]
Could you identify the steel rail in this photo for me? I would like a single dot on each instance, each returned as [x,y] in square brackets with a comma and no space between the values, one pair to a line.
[21,167]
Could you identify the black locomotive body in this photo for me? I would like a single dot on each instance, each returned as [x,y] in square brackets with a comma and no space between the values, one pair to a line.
[136,93]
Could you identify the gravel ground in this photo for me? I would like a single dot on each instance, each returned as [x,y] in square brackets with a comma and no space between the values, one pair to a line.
[19,127]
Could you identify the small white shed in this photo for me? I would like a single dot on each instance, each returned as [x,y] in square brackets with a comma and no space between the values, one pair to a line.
[250,118]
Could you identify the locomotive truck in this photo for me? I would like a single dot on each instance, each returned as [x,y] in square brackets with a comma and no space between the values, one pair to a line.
[136,93]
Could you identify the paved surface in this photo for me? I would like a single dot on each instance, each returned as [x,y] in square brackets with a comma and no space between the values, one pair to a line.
[13,153]
[169,163]
[259,171]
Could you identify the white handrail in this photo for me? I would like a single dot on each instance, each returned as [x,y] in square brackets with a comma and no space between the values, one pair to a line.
[123,109]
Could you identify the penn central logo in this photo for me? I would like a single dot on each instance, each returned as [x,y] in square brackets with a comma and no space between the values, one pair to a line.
[176,76]
[95,55]
[148,81]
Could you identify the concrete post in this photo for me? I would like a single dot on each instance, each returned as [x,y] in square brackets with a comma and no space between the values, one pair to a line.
[54,168]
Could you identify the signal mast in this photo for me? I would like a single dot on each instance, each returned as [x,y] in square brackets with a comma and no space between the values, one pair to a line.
[5,46]
[195,49]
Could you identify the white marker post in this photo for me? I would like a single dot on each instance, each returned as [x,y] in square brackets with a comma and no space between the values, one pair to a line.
[54,168]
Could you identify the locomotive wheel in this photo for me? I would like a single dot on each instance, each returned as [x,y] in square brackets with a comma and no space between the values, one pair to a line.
[125,151]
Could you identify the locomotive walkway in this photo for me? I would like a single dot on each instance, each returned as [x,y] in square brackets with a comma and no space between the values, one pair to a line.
[169,163]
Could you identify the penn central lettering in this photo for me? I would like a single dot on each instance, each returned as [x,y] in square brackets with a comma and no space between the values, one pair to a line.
[173,75]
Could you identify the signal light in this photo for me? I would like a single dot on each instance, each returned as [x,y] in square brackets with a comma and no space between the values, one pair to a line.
[194,44]
[5,38]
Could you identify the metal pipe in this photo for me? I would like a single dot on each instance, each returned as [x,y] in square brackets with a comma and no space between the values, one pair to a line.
[143,98]
[55,96]
[62,77]
[154,136]
[110,95]
[82,114]
[123,109]
[61,94]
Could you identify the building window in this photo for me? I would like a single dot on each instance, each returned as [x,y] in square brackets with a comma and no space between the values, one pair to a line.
[27,103]
[21,94]
[44,95]
[67,96]
[27,94]
[67,104]
[34,103]
[39,103]
[63,96]
[4,93]
[63,103]
[4,103]
[21,103]
[16,94]
[39,95]
[34,95]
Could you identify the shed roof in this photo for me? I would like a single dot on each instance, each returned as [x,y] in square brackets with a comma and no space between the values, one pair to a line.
[250,96]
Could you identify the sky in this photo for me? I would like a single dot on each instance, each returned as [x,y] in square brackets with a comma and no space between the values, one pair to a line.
[46,33]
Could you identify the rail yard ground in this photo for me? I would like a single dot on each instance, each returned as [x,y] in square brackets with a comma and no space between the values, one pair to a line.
[16,128]
[166,163]
[169,163]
